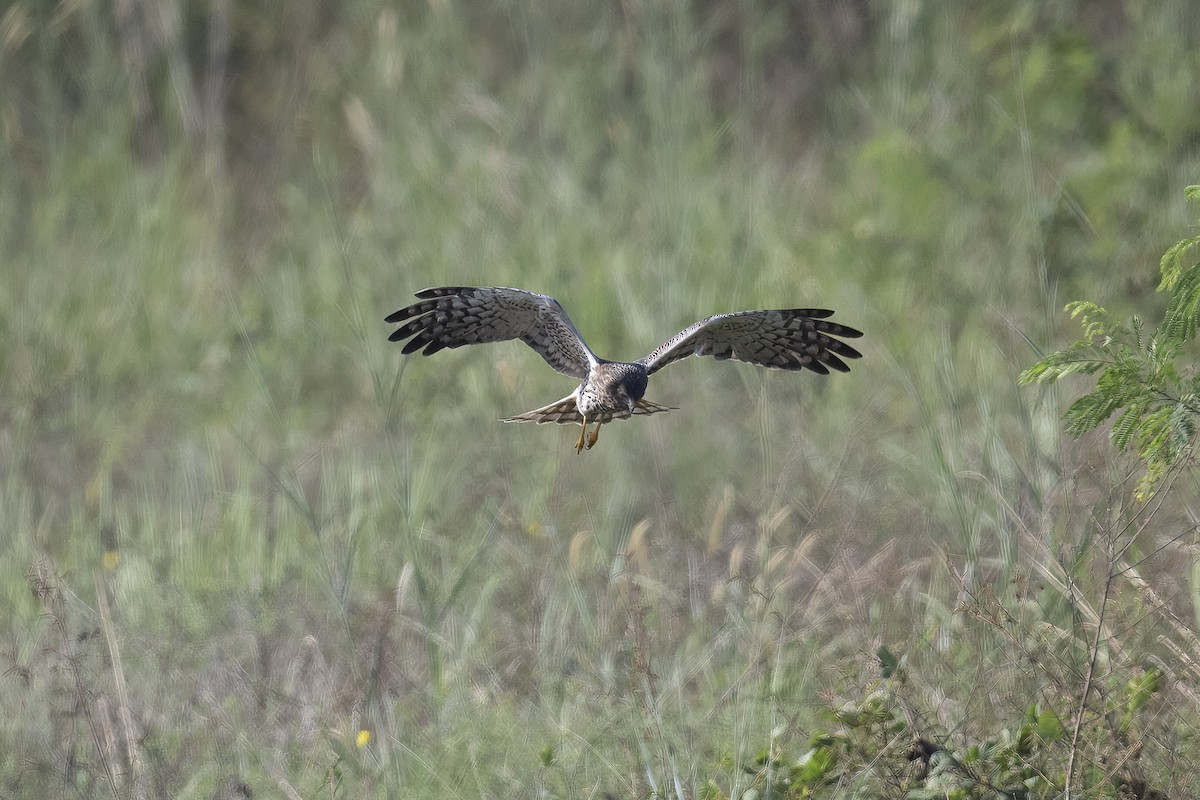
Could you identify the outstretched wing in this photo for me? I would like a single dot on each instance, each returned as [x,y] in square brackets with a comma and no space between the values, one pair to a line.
[451,316]
[794,339]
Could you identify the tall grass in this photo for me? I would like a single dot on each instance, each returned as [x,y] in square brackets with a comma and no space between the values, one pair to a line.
[242,529]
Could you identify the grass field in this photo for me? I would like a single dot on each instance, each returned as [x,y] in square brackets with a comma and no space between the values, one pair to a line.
[252,551]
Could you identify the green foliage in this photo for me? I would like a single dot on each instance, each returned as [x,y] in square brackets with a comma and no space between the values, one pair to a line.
[1138,692]
[1156,399]
[878,750]
[1174,271]
[889,662]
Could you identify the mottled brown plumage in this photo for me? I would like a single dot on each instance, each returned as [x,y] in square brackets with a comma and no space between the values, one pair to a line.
[452,316]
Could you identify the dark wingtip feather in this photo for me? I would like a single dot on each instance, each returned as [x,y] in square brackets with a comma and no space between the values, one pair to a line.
[415,344]
[841,348]
[441,291]
[830,360]
[834,328]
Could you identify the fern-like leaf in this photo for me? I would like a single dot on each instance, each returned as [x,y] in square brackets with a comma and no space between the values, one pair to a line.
[1183,313]
[1089,412]
[1137,377]
[1059,365]
[1125,426]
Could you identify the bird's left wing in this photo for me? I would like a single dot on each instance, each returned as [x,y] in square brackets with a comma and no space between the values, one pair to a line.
[451,316]
[793,339]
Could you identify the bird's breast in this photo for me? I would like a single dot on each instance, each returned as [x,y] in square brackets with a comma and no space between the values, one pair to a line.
[589,400]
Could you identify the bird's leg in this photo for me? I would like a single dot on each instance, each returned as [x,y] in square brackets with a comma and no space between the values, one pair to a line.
[582,432]
[593,436]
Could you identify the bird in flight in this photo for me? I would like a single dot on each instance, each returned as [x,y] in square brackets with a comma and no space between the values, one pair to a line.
[452,316]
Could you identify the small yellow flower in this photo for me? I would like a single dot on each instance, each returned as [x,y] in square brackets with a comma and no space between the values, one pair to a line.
[110,560]
[364,738]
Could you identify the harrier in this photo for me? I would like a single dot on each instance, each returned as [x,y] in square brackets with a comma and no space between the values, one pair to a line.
[451,316]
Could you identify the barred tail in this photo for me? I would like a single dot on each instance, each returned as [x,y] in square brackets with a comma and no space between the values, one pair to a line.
[566,412]
[646,407]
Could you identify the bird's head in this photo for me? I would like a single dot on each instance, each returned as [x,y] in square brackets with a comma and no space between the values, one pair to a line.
[632,386]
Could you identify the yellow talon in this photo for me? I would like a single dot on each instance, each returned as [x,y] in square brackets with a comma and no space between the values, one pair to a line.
[593,436]
[582,432]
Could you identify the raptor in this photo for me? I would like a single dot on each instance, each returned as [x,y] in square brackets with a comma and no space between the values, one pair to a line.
[452,316]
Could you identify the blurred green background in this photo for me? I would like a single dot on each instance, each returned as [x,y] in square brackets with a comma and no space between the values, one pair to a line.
[251,551]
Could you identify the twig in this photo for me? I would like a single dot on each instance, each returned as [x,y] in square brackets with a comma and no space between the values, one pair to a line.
[45,587]
[1093,657]
[114,653]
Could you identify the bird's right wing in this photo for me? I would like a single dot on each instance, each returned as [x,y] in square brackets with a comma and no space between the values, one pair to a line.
[451,316]
[793,339]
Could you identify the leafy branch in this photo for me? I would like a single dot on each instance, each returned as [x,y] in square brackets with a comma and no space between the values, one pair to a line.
[1156,401]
